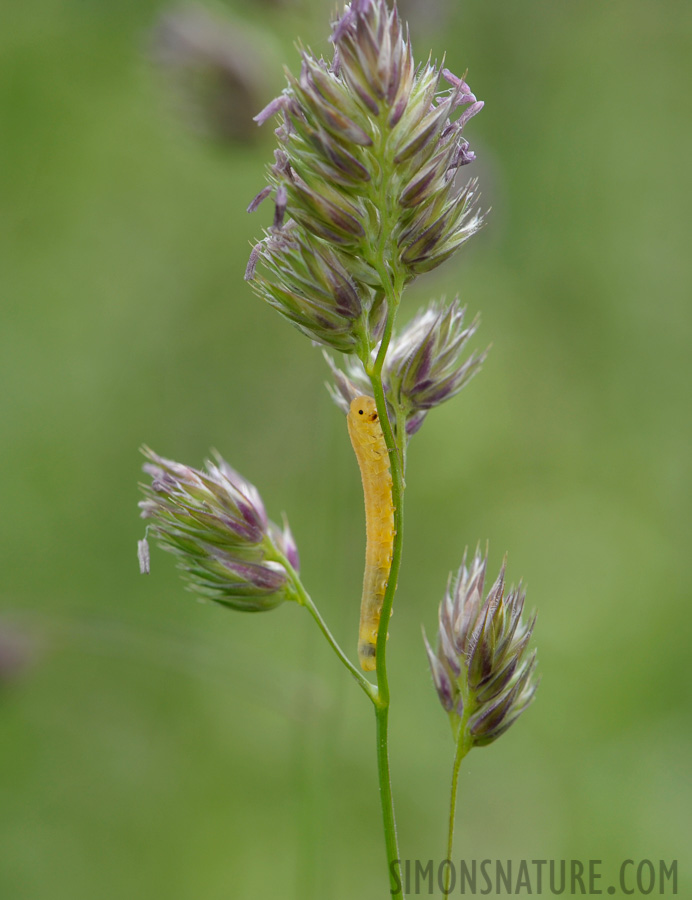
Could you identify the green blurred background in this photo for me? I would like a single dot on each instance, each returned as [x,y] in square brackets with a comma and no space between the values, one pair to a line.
[154,747]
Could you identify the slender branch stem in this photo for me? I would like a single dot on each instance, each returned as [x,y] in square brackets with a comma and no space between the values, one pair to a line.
[369,689]
[302,596]
[463,747]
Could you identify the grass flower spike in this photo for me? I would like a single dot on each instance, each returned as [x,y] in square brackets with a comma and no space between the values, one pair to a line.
[369,149]
[423,368]
[481,668]
[215,523]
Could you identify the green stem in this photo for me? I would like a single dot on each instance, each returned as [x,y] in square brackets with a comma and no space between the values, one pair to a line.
[396,454]
[463,747]
[386,799]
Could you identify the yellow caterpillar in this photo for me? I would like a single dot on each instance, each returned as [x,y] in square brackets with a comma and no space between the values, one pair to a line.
[366,436]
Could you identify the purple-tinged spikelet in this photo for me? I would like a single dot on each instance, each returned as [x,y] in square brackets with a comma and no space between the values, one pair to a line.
[216,524]
[481,668]
[424,366]
[311,284]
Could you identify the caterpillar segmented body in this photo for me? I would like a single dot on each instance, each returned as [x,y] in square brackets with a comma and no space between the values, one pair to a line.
[366,436]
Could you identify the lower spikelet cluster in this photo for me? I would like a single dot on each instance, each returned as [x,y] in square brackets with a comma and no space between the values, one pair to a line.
[482,670]
[214,522]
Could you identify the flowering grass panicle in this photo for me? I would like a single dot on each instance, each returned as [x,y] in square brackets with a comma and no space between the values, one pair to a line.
[483,673]
[366,197]
[369,149]
[216,524]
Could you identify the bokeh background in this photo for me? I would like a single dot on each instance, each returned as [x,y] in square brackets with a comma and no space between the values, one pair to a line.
[154,747]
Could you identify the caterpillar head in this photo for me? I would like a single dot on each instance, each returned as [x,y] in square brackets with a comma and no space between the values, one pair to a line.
[363,409]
